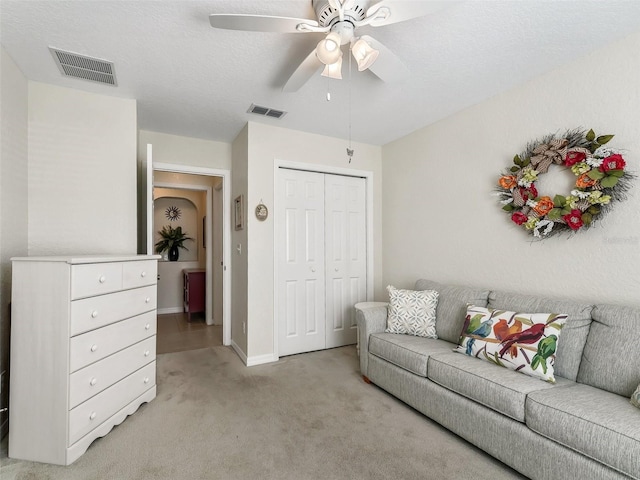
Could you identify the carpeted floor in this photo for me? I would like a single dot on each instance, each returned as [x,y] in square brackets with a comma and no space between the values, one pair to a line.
[307,416]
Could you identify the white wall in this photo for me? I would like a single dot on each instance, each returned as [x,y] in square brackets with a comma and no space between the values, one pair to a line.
[266,145]
[440,220]
[82,172]
[13,196]
[181,150]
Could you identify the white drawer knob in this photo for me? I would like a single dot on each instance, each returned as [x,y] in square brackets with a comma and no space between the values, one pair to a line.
[92,416]
[147,300]
[313,269]
[146,379]
[143,274]
[147,326]
[146,353]
[336,269]
[94,347]
[102,279]
[93,381]
[94,314]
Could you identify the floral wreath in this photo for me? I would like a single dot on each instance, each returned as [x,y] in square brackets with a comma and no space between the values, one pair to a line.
[601,181]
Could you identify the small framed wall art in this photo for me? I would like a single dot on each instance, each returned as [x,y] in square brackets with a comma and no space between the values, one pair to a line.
[239,212]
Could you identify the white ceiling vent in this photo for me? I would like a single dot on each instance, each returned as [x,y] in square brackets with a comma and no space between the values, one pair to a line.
[86,68]
[266,112]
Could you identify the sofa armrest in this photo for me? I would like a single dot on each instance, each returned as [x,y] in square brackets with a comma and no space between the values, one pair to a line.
[370,319]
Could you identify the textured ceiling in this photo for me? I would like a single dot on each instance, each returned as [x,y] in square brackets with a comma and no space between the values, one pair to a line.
[190,79]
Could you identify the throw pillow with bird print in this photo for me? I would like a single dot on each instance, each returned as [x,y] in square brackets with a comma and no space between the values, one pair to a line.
[524,342]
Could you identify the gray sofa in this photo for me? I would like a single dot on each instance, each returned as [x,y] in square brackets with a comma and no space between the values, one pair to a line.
[581,427]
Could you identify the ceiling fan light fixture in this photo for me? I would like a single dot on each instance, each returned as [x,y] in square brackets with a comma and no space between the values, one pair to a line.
[333,70]
[364,54]
[328,49]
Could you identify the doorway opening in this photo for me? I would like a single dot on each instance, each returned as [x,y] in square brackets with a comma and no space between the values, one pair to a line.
[193,291]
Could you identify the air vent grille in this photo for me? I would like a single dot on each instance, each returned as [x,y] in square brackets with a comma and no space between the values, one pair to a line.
[84,67]
[266,112]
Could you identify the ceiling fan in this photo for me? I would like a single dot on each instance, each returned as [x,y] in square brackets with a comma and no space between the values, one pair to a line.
[339,20]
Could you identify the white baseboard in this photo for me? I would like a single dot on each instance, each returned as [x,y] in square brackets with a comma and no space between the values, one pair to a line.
[253,361]
[164,311]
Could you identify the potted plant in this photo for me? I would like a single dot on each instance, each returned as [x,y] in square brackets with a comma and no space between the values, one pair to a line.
[172,240]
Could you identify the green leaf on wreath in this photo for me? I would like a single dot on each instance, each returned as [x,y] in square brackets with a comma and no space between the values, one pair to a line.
[517,160]
[526,162]
[514,169]
[508,208]
[609,181]
[595,175]
[616,173]
[602,139]
[559,201]
[554,214]
[565,211]
[587,218]
[590,136]
[593,210]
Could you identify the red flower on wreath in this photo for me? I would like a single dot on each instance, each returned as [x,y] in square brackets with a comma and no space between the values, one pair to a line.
[574,157]
[613,162]
[574,219]
[519,218]
[524,192]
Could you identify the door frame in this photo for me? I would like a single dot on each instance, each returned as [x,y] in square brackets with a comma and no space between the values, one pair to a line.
[327,169]
[226,233]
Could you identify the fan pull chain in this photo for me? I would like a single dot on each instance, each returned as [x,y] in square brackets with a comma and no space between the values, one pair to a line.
[349,149]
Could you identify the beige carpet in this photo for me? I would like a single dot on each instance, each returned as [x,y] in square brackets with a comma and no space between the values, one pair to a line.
[308,416]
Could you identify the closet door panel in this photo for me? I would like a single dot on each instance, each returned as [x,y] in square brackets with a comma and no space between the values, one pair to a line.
[345,234]
[301,277]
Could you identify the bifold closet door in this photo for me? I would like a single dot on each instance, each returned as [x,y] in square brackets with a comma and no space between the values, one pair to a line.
[322,259]
[301,280]
[345,256]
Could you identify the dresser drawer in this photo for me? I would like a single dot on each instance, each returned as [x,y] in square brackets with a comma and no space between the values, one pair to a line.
[88,415]
[94,312]
[139,274]
[93,379]
[95,279]
[95,345]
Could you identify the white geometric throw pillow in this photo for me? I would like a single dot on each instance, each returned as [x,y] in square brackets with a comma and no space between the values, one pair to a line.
[412,312]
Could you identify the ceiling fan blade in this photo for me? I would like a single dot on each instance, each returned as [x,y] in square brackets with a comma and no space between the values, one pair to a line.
[401,10]
[261,23]
[387,66]
[307,69]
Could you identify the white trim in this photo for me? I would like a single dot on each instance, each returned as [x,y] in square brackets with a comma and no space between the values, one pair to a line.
[165,311]
[261,359]
[226,234]
[310,167]
[239,352]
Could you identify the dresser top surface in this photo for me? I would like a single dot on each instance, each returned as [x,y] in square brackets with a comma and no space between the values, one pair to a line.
[81,259]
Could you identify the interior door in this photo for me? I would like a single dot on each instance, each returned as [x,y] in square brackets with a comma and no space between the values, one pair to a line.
[301,269]
[345,256]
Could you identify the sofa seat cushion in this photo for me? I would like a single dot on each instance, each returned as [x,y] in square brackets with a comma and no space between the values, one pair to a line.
[596,423]
[495,387]
[406,351]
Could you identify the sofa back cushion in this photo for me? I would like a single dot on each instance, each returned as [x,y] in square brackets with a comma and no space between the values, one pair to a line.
[611,356]
[452,306]
[574,331]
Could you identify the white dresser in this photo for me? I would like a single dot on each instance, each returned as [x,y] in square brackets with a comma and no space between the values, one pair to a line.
[83,350]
